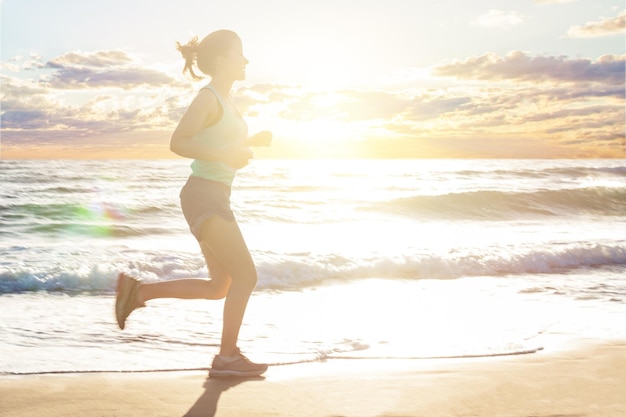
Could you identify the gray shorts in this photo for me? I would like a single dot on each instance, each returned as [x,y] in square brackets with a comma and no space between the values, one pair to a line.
[202,199]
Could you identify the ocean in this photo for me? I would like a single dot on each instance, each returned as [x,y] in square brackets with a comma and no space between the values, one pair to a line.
[356,259]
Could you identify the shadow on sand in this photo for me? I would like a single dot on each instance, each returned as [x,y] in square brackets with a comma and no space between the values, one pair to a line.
[206,405]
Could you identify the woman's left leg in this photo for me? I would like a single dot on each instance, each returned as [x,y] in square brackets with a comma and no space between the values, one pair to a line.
[224,240]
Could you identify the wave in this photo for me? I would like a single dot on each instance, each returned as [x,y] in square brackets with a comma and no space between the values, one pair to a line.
[311,272]
[119,220]
[95,219]
[571,172]
[299,271]
[499,205]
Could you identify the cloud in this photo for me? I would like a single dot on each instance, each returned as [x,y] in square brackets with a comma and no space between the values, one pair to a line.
[559,116]
[33,111]
[557,101]
[517,65]
[500,19]
[19,63]
[124,78]
[102,69]
[300,105]
[605,27]
[73,102]
[24,105]
[23,119]
[98,59]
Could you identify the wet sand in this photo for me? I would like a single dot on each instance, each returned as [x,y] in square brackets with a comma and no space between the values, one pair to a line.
[586,380]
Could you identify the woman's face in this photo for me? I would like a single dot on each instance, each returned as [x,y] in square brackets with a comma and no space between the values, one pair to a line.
[234,62]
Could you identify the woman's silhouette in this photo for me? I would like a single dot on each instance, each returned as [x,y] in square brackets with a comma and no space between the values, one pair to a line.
[213,133]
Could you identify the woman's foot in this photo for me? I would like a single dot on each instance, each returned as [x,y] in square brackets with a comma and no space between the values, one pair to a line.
[127,298]
[236,365]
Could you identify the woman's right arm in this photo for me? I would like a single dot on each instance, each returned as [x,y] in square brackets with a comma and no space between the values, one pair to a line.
[200,113]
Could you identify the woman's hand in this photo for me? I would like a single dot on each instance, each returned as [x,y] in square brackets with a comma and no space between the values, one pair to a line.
[263,138]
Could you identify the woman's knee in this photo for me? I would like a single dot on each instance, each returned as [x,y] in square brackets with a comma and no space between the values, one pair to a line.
[220,293]
[214,289]
[246,278]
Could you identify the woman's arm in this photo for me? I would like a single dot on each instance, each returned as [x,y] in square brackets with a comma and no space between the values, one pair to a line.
[200,113]
[202,110]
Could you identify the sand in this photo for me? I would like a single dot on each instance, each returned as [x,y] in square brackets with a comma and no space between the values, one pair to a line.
[585,380]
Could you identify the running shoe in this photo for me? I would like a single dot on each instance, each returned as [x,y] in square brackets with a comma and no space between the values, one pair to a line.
[236,366]
[126,298]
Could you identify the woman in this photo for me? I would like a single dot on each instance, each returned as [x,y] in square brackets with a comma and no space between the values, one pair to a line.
[214,134]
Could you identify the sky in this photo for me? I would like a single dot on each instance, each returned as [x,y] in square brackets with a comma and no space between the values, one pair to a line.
[349,78]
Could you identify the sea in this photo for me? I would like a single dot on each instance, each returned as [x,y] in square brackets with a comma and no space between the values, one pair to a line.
[356,259]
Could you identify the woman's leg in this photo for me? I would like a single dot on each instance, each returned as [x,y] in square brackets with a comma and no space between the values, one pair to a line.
[223,240]
[191,288]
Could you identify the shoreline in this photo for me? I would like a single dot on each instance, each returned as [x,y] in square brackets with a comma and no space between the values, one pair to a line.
[325,360]
[584,378]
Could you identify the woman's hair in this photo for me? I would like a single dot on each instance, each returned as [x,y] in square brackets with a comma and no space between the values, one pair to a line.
[202,54]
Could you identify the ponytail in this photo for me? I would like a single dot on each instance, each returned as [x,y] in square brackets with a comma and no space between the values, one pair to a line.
[189,51]
[203,54]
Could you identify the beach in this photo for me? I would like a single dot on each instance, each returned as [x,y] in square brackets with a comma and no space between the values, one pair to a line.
[385,288]
[583,380]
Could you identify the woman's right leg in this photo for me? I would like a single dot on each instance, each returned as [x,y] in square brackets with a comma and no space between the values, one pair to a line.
[132,293]
[215,288]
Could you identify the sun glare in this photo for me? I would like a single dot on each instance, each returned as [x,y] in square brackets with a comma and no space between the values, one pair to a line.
[321,138]
[327,100]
